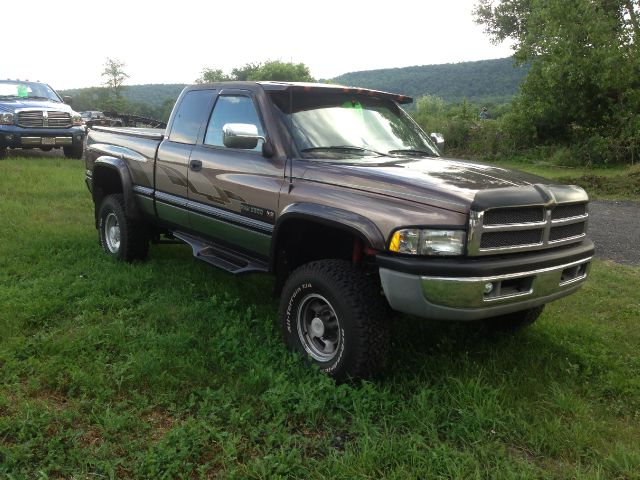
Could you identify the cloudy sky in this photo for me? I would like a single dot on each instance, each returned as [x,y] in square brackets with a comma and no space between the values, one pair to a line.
[66,43]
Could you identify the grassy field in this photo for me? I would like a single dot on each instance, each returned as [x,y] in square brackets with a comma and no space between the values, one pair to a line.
[613,183]
[171,369]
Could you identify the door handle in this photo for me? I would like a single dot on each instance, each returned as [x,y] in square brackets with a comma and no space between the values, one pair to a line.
[195,165]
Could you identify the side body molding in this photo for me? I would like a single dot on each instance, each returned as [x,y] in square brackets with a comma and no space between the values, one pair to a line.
[110,164]
[332,217]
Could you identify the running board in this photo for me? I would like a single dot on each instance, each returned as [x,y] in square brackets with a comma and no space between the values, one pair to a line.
[221,257]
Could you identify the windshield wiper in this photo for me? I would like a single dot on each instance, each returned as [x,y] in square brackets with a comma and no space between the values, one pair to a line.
[409,151]
[347,148]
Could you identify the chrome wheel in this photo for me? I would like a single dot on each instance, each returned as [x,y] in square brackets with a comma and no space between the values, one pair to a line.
[112,232]
[318,328]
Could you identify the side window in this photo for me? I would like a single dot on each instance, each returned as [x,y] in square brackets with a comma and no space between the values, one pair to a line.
[231,109]
[191,114]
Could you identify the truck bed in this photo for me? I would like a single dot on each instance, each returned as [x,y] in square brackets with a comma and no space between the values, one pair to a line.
[150,133]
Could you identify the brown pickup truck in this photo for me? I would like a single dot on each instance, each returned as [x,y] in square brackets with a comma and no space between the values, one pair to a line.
[348,203]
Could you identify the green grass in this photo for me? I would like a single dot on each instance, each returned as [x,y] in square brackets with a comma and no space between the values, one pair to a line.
[170,369]
[612,183]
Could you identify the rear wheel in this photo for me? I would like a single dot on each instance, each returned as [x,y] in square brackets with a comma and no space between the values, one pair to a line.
[333,314]
[74,151]
[513,322]
[120,236]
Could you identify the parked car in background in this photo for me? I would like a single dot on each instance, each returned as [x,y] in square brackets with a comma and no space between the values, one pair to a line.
[33,115]
[94,118]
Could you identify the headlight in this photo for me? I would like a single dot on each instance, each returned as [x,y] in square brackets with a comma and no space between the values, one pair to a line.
[6,118]
[415,241]
[77,119]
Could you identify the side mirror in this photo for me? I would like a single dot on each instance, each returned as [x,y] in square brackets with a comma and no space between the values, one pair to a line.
[241,135]
[438,139]
[67,99]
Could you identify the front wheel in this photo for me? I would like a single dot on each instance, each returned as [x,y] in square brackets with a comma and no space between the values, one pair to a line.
[120,236]
[74,151]
[3,153]
[334,315]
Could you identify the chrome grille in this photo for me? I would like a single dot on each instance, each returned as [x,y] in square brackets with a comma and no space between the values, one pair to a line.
[567,211]
[501,216]
[59,120]
[513,229]
[566,231]
[46,119]
[507,239]
[30,119]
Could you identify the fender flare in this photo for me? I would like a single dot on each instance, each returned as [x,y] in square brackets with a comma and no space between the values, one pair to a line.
[120,166]
[330,216]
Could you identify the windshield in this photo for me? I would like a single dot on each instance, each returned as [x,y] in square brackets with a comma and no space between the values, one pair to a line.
[28,90]
[339,125]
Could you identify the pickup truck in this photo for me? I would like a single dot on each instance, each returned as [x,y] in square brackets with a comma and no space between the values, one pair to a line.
[32,115]
[340,195]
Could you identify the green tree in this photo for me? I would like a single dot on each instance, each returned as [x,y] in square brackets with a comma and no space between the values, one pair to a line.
[210,75]
[278,71]
[585,63]
[114,75]
[273,70]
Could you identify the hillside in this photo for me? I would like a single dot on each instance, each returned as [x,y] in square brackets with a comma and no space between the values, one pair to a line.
[482,81]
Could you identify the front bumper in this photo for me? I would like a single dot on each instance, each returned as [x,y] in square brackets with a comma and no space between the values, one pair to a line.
[12,136]
[473,289]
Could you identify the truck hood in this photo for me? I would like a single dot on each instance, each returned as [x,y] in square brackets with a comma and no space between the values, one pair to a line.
[11,105]
[442,182]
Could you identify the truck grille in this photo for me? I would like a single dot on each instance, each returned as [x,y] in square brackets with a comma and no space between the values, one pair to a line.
[511,229]
[501,216]
[46,119]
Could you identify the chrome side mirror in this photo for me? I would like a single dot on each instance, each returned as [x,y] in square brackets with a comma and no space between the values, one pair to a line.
[241,135]
[438,139]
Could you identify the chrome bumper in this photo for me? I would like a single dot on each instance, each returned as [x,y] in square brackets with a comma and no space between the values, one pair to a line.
[39,142]
[475,298]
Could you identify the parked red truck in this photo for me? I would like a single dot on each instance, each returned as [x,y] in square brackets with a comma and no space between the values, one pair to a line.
[341,196]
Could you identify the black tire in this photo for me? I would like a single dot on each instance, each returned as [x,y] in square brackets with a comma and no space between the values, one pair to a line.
[353,340]
[120,236]
[513,322]
[3,153]
[74,151]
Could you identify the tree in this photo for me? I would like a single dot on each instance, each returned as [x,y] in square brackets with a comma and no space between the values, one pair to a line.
[210,75]
[115,75]
[273,70]
[585,62]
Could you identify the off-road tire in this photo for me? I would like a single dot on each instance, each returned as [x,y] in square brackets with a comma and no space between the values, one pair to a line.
[360,310]
[132,238]
[514,322]
[74,151]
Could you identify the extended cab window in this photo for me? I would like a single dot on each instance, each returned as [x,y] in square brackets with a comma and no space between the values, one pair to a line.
[191,114]
[231,109]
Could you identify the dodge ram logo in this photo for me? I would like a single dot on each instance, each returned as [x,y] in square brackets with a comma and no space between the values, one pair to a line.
[45,118]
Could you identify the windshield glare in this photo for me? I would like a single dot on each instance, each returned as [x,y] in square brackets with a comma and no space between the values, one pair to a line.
[27,90]
[324,124]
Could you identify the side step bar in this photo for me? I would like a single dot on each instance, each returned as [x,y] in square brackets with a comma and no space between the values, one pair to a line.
[221,257]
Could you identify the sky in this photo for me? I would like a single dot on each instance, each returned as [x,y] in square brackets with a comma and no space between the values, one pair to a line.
[66,43]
